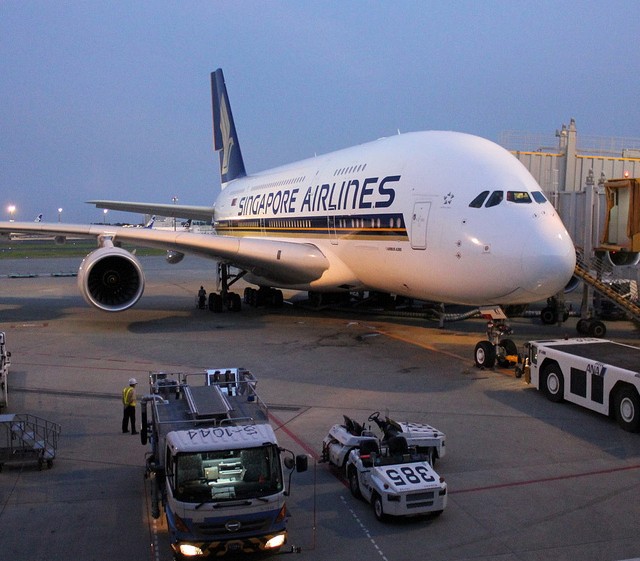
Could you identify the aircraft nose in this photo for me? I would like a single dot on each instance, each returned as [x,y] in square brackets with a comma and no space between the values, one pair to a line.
[548,260]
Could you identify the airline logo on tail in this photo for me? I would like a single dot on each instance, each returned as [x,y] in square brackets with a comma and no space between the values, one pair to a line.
[225,138]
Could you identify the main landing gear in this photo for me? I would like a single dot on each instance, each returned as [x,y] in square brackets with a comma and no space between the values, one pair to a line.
[226,299]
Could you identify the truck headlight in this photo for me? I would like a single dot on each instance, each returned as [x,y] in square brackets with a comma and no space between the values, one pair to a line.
[275,541]
[189,550]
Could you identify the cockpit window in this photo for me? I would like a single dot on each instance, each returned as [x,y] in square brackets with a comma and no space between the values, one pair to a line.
[495,199]
[538,197]
[477,202]
[518,197]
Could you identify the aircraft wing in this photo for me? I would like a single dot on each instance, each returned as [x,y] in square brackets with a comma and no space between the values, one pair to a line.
[175,211]
[284,262]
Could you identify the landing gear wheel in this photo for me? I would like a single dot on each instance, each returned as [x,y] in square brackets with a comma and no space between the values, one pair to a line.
[485,354]
[582,327]
[627,412]
[233,302]
[509,348]
[215,303]
[597,329]
[553,383]
[549,316]
[377,508]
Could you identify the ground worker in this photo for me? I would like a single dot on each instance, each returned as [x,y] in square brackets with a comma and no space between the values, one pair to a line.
[129,402]
[202,297]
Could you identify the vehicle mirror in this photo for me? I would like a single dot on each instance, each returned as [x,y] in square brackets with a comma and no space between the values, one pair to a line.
[302,463]
[288,462]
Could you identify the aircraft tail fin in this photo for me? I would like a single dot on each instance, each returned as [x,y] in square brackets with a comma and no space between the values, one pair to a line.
[225,138]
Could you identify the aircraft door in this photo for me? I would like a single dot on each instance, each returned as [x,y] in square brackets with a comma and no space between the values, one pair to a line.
[419,223]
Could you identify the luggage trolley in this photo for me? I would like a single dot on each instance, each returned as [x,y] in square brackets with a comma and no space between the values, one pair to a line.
[25,437]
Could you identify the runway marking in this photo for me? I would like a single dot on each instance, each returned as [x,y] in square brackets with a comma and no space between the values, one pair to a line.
[544,480]
[364,529]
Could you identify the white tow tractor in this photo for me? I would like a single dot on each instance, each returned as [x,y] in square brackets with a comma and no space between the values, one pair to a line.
[5,362]
[394,473]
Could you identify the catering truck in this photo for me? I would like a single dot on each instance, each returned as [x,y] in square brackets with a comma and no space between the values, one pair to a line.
[598,374]
[215,464]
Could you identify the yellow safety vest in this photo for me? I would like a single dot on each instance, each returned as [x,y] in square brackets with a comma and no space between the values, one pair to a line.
[129,396]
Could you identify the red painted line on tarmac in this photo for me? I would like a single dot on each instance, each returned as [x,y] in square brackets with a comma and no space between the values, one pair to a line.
[281,426]
[545,480]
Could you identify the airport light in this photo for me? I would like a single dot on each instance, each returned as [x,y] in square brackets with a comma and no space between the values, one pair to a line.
[12,210]
[59,214]
[174,199]
[104,215]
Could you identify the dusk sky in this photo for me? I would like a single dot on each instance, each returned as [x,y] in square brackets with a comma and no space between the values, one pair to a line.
[112,101]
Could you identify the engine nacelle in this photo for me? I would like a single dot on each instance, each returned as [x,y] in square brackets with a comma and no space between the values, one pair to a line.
[111,279]
[623,258]
[174,257]
[573,283]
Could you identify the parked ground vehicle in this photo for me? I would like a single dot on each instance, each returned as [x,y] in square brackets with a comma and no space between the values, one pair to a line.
[215,463]
[395,473]
[598,374]
[5,362]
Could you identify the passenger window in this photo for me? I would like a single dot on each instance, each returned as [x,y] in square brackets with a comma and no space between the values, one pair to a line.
[477,202]
[538,197]
[495,199]
[518,197]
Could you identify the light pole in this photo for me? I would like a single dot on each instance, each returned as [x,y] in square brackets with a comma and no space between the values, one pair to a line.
[104,215]
[174,199]
[11,209]
[59,214]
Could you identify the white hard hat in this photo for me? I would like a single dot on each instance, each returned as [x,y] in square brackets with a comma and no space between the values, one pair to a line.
[132,381]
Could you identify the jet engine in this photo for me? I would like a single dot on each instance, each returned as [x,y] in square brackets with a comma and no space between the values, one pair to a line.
[111,279]
[623,258]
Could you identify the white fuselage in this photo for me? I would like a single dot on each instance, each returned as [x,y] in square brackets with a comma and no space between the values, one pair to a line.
[394,216]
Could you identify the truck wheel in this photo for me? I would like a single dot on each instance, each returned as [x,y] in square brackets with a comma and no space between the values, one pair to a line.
[354,486]
[377,508]
[553,383]
[627,412]
[485,354]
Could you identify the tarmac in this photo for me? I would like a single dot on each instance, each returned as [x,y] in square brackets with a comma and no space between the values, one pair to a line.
[528,479]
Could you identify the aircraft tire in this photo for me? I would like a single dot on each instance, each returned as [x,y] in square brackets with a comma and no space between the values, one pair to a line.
[548,316]
[509,348]
[215,303]
[484,354]
[582,327]
[597,329]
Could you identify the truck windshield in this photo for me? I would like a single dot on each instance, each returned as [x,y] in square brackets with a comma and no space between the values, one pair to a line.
[228,474]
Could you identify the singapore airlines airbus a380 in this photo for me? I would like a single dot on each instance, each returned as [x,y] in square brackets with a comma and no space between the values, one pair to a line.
[439,216]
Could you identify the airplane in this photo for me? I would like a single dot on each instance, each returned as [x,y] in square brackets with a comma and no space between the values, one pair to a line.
[437,216]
